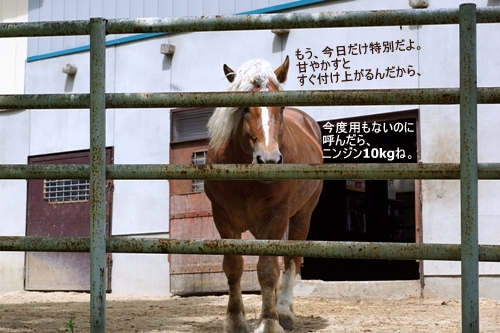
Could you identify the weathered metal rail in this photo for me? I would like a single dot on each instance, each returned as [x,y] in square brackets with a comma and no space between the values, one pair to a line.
[313,249]
[250,22]
[250,172]
[468,171]
[428,96]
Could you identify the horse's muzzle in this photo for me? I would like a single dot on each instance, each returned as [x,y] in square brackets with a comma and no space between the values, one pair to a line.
[275,158]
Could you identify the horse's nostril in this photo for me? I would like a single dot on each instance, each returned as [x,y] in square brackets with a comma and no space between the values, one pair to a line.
[273,160]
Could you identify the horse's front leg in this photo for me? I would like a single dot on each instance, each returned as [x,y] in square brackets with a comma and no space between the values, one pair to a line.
[268,272]
[235,318]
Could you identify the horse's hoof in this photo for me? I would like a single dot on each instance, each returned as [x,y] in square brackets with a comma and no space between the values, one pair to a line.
[286,316]
[269,326]
[236,324]
[286,323]
[236,330]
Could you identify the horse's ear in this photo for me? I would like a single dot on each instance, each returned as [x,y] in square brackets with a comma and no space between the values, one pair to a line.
[282,71]
[229,73]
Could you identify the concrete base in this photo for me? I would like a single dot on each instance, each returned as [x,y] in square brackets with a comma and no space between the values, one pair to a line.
[358,290]
[11,271]
[140,274]
[449,287]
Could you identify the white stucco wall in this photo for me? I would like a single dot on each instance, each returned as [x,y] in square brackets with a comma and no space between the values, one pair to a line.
[13,135]
[14,144]
[13,50]
[440,143]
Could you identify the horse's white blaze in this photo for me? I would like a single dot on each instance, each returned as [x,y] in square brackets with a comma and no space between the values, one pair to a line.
[265,124]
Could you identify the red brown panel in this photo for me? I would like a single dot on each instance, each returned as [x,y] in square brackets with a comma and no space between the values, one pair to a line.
[61,271]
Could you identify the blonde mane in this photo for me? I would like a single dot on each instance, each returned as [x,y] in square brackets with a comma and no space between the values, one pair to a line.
[224,121]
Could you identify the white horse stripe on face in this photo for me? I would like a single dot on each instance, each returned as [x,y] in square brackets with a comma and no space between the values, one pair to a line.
[265,124]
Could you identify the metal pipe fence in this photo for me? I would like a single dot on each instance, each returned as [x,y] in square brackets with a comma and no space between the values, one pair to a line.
[249,172]
[313,249]
[427,96]
[468,171]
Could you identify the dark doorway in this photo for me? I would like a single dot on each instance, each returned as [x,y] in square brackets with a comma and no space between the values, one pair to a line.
[366,210]
[347,215]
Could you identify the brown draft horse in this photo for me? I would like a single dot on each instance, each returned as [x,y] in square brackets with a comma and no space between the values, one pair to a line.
[261,135]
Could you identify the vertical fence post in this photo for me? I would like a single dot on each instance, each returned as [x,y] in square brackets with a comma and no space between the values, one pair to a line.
[97,175]
[468,169]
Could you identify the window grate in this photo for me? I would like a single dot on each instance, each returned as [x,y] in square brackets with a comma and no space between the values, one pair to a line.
[66,190]
[198,158]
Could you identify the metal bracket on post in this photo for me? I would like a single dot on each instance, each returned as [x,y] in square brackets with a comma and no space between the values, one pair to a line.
[97,175]
[469,169]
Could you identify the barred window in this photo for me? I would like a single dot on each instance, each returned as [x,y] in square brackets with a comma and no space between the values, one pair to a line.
[66,190]
[198,158]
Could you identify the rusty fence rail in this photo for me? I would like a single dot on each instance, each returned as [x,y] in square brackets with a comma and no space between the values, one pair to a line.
[249,172]
[250,22]
[313,249]
[426,96]
[468,171]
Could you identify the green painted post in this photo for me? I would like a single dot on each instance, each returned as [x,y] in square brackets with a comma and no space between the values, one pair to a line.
[97,175]
[469,169]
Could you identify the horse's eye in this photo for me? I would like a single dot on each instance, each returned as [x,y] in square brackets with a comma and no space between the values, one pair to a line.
[246,110]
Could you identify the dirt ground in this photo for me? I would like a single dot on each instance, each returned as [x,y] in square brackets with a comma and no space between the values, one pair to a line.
[50,312]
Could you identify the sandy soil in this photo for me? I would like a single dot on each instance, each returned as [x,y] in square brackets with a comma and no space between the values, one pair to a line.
[50,312]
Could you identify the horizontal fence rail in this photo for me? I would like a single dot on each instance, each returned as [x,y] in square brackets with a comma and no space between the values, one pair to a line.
[313,249]
[250,22]
[248,172]
[428,96]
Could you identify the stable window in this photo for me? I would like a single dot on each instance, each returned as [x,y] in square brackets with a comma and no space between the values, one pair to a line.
[188,145]
[66,190]
[198,158]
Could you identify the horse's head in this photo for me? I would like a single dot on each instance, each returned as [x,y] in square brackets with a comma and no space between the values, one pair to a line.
[260,128]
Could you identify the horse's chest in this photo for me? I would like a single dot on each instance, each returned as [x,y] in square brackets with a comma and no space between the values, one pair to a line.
[251,199]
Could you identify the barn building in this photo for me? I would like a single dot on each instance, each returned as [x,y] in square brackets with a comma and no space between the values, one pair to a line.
[421,211]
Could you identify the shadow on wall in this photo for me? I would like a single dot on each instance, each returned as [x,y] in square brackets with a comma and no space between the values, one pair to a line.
[70,82]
